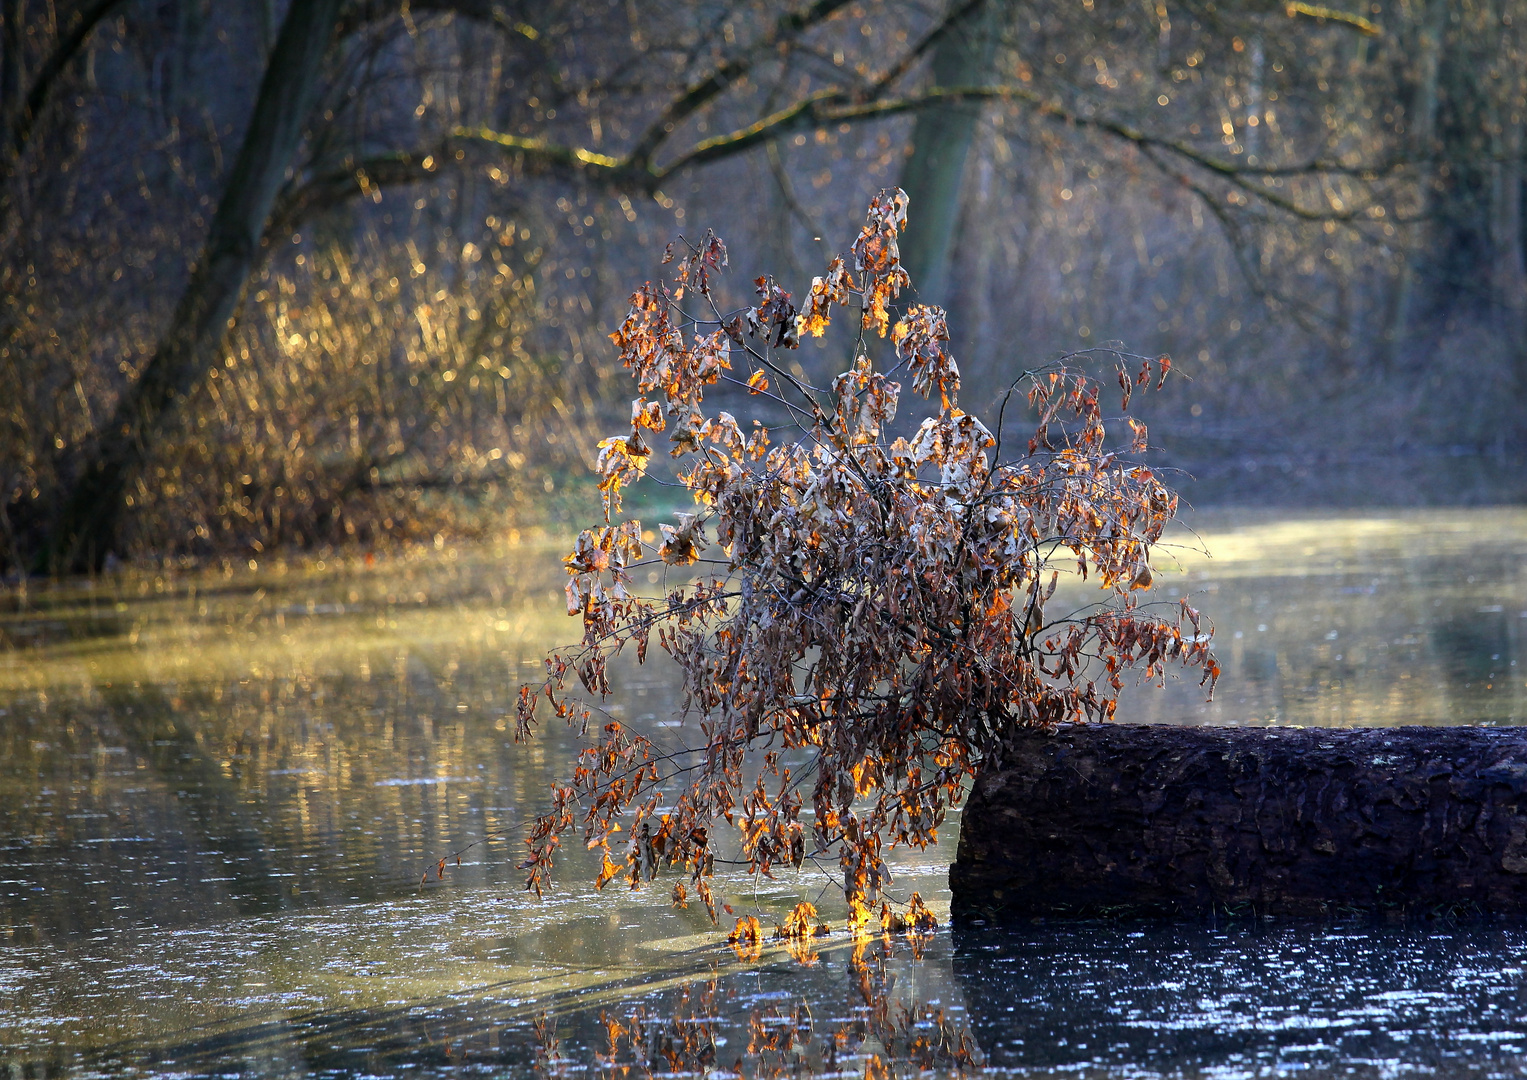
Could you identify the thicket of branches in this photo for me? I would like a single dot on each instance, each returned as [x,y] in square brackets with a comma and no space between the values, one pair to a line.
[868,617]
[1304,202]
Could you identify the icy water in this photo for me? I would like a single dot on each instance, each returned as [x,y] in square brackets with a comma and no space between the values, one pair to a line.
[218,793]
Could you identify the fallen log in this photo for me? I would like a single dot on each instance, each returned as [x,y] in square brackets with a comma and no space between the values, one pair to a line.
[1114,819]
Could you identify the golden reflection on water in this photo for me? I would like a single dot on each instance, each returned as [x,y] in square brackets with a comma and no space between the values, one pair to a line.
[218,792]
[1354,621]
[217,795]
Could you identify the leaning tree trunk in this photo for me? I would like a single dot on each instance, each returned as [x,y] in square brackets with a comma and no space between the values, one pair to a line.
[20,107]
[1132,819]
[934,174]
[88,524]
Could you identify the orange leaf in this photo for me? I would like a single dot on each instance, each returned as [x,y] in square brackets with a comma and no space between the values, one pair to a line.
[607,873]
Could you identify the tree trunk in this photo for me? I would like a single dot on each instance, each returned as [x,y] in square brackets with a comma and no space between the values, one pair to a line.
[1510,270]
[1133,819]
[11,45]
[88,525]
[19,110]
[1424,105]
[934,174]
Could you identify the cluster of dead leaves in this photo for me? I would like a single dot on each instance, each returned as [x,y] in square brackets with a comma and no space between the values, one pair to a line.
[878,606]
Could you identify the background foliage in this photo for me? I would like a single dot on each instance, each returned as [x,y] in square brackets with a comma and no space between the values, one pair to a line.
[1316,210]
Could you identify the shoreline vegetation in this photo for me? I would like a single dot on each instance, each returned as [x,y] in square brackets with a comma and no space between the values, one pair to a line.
[1434,480]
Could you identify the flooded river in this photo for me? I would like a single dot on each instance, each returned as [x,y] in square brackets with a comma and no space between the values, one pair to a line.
[219,792]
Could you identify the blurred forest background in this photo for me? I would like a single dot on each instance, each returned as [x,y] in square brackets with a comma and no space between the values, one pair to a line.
[294,275]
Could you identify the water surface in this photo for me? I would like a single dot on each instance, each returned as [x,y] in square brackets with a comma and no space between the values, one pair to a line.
[219,791]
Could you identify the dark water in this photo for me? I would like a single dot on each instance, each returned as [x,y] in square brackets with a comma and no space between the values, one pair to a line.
[218,793]
[1248,999]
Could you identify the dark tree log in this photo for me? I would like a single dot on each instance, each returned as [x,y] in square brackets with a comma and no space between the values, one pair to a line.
[1100,820]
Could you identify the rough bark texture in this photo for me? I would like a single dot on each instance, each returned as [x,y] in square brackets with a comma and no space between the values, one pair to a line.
[1131,819]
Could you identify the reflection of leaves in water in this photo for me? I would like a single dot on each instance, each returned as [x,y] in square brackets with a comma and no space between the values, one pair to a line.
[547,1042]
[681,1034]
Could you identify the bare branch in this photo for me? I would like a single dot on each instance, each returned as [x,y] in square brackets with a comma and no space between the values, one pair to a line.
[725,75]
